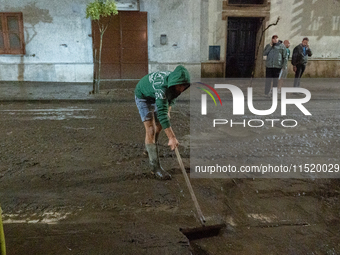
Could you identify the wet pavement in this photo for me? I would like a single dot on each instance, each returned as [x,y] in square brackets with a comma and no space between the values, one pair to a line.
[114,90]
[43,91]
[74,180]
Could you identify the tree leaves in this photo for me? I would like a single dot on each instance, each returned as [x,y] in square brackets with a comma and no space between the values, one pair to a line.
[98,9]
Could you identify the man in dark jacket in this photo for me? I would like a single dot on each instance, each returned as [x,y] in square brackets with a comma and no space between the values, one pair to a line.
[276,59]
[155,93]
[299,59]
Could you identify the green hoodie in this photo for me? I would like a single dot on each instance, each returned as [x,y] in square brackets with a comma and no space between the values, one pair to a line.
[155,87]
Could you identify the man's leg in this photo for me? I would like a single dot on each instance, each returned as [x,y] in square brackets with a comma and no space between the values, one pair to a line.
[302,70]
[299,72]
[283,76]
[158,127]
[279,85]
[147,116]
[268,81]
[276,74]
[296,79]
[152,131]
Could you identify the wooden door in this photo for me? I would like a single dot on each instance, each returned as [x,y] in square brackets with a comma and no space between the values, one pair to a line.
[241,45]
[125,46]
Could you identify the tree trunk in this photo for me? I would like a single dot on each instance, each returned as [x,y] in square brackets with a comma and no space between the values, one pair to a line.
[99,63]
[95,71]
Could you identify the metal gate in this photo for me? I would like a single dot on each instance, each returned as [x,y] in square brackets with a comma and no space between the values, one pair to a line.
[125,46]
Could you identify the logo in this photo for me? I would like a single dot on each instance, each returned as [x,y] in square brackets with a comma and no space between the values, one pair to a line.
[157,80]
[204,97]
[239,103]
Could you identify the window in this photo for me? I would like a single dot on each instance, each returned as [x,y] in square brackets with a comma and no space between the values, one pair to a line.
[11,33]
[245,1]
[214,52]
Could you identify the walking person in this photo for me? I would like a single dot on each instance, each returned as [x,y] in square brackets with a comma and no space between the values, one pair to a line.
[300,59]
[276,59]
[284,70]
[155,93]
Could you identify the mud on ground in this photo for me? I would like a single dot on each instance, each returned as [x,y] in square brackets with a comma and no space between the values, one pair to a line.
[74,180]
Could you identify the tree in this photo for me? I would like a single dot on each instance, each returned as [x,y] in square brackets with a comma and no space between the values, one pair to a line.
[94,11]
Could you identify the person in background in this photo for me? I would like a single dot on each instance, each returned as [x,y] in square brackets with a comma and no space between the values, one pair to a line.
[276,59]
[300,59]
[284,70]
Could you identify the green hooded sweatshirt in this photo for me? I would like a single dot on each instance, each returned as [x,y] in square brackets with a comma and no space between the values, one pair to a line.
[155,87]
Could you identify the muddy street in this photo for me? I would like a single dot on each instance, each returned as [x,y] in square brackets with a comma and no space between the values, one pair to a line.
[74,179]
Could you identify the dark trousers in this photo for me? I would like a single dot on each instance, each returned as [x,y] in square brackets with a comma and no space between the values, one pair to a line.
[299,72]
[272,74]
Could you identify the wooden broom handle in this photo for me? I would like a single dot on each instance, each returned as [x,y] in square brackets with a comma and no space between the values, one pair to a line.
[193,197]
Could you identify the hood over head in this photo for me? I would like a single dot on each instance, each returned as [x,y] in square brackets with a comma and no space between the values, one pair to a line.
[179,76]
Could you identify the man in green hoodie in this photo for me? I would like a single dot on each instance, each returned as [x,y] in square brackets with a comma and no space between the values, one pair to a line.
[155,93]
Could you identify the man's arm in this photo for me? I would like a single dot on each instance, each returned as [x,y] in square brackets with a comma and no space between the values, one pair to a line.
[163,117]
[309,52]
[267,49]
[162,112]
[295,56]
[284,57]
[173,143]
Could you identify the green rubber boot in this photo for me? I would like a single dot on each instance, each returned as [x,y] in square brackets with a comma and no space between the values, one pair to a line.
[156,168]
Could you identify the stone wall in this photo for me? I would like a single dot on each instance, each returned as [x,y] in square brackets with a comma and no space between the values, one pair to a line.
[180,22]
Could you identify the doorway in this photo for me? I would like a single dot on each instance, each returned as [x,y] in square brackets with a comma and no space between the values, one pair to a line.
[241,46]
[125,46]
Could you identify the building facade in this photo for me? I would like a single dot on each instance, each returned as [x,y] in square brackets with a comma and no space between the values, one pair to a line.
[53,41]
[58,40]
[235,28]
